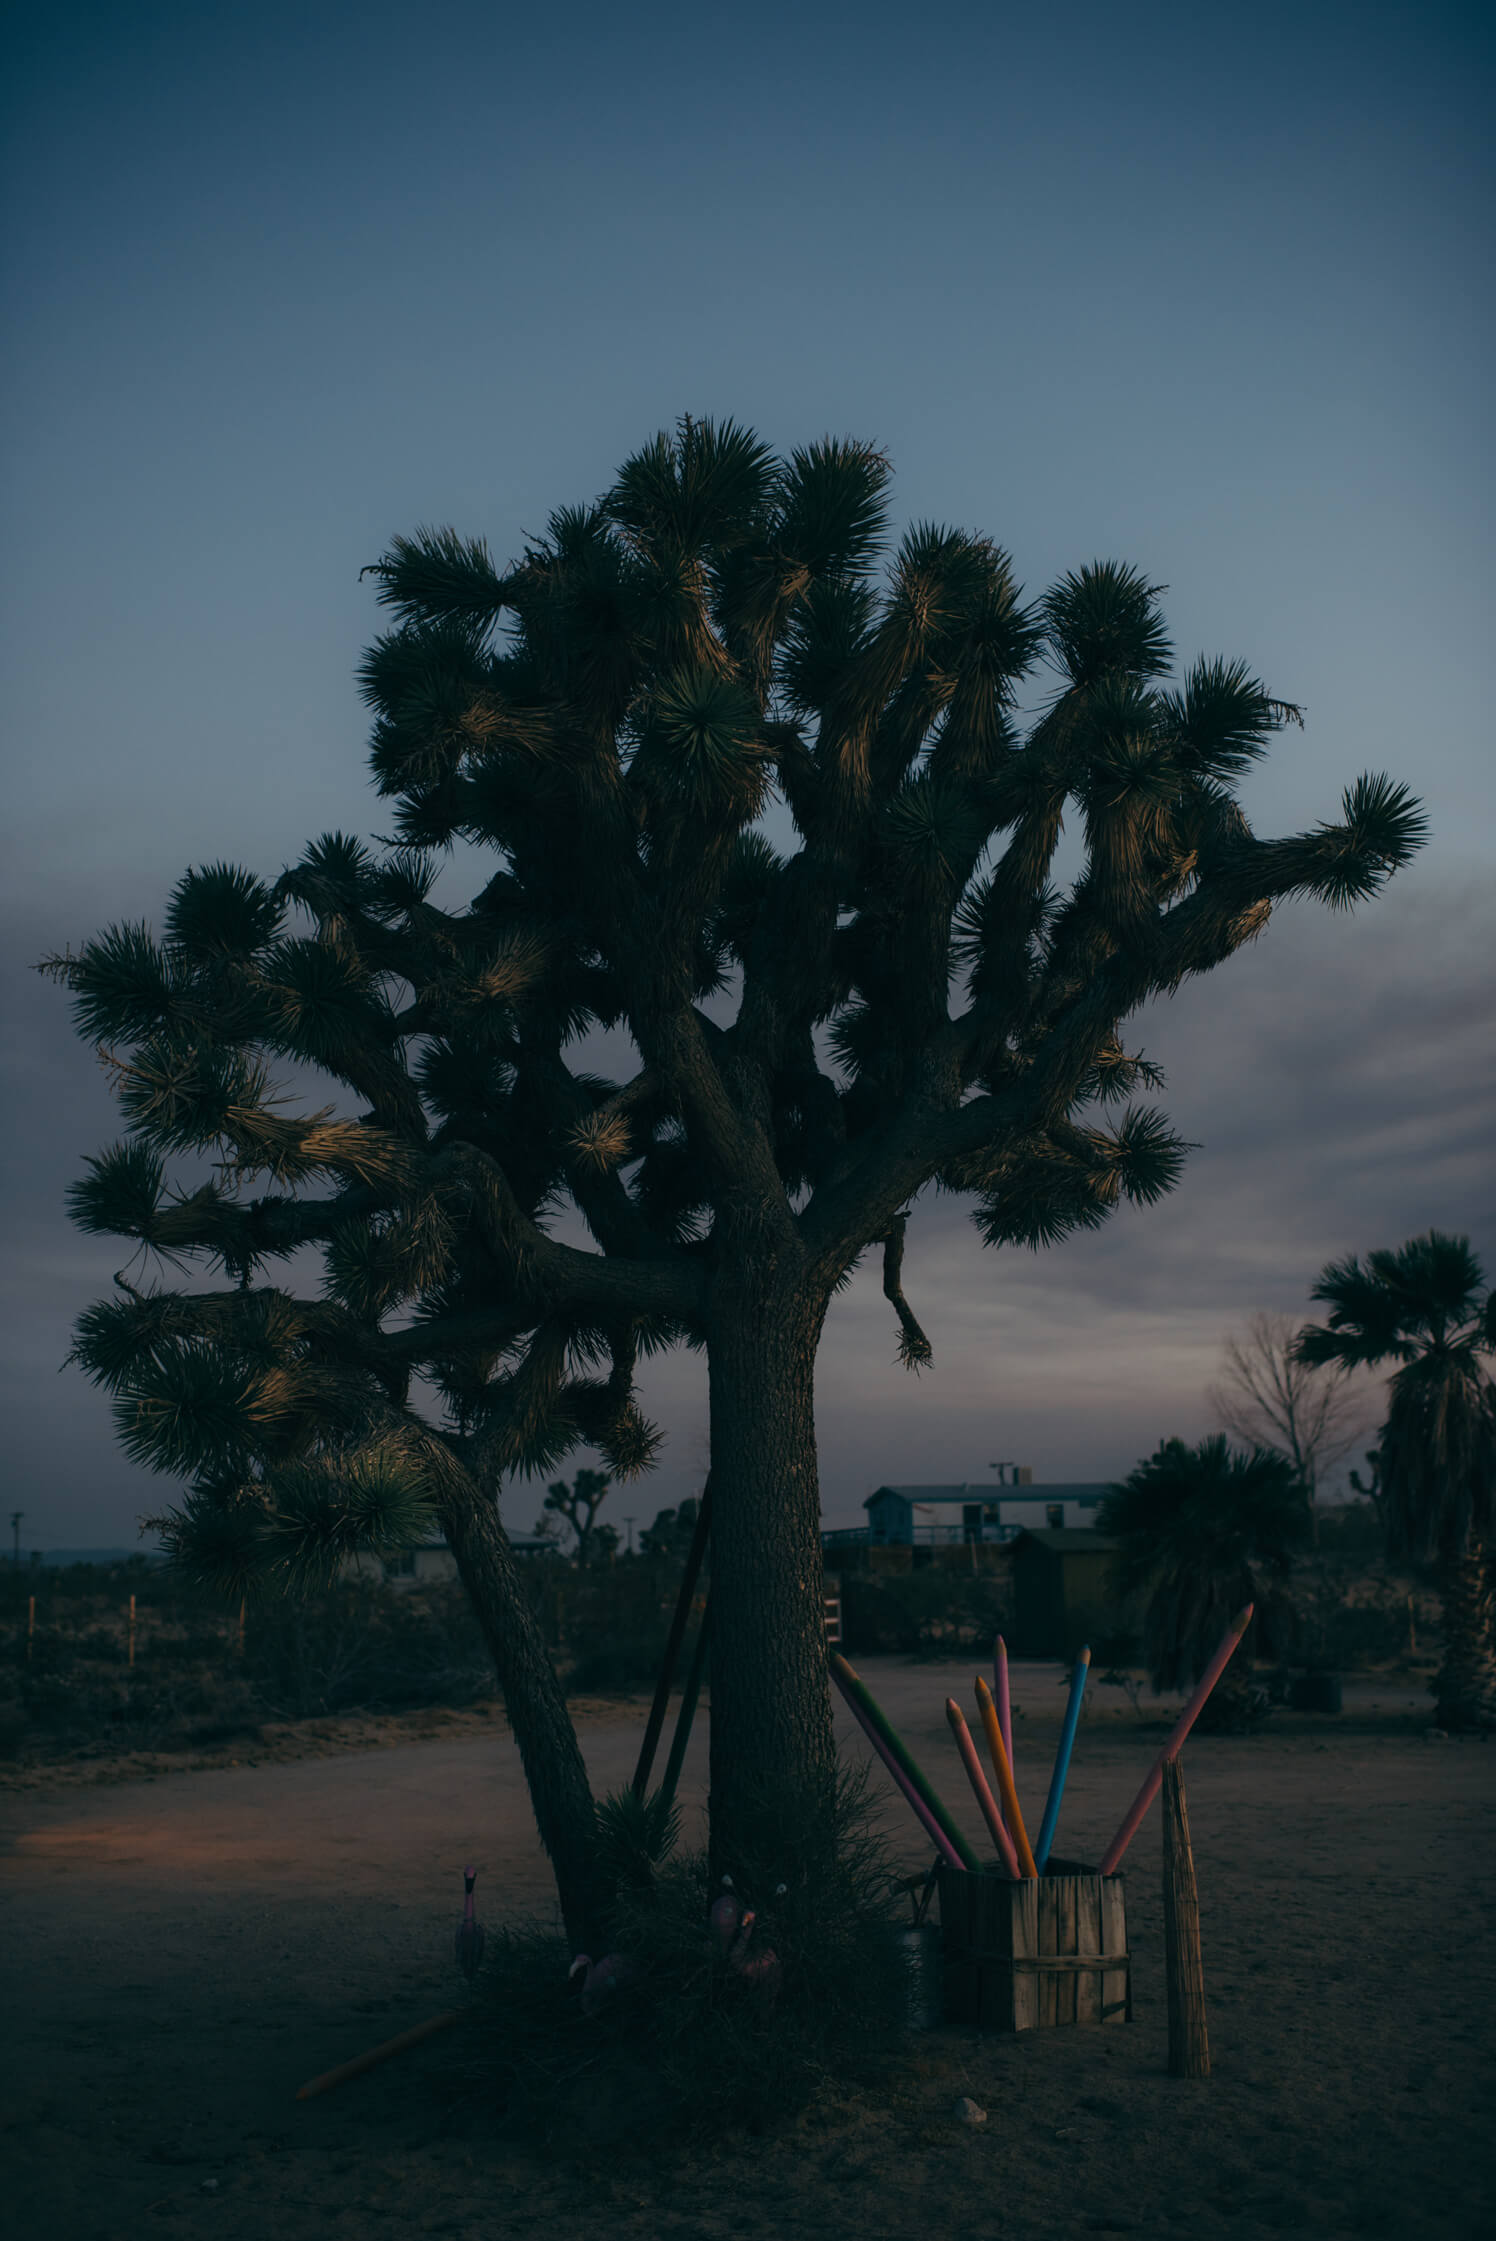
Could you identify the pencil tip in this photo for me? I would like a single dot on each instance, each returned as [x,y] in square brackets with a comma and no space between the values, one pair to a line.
[1240,1622]
[1085,1656]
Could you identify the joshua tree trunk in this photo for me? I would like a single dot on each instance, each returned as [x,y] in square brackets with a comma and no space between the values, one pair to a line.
[535,1704]
[1465,1688]
[771,1733]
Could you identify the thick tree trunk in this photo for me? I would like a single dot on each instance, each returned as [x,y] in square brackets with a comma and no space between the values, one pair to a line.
[1465,1687]
[536,1705]
[771,1735]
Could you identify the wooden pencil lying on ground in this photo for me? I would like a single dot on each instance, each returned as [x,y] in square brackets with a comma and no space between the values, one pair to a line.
[1012,1811]
[1186,1721]
[978,1781]
[1062,1760]
[377,2054]
[861,1699]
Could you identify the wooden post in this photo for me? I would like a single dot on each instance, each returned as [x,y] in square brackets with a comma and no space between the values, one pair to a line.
[1189,2044]
[132,1634]
[30,1624]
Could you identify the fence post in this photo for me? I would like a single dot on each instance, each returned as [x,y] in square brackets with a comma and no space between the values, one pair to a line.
[1189,2044]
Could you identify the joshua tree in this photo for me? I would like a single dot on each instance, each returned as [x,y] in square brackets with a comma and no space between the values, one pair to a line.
[1204,1530]
[900,1001]
[1267,1397]
[1421,1307]
[579,1504]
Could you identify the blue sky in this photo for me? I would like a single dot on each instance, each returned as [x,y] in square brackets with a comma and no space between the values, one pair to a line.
[1201,289]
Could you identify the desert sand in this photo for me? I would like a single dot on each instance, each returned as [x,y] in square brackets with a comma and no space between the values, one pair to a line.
[180,1952]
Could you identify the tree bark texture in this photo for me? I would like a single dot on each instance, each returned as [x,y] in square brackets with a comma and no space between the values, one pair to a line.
[536,1706]
[771,1732]
[1465,1689]
[1189,2043]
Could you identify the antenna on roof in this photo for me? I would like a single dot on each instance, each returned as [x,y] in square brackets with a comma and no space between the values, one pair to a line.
[1009,1465]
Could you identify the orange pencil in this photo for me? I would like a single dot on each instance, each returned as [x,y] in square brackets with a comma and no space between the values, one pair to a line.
[1012,1811]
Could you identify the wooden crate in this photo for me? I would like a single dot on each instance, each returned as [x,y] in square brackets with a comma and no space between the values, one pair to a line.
[1022,1955]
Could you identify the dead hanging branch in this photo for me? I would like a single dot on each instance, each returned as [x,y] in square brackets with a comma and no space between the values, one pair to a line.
[915,1350]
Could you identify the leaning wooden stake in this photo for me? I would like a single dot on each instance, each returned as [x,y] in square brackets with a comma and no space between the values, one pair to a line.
[658,1708]
[1189,2044]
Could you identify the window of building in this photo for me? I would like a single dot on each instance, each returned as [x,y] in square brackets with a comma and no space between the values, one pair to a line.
[400,1567]
[1054,1513]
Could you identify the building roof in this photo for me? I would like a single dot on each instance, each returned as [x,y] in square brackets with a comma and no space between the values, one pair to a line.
[985,1491]
[1066,1540]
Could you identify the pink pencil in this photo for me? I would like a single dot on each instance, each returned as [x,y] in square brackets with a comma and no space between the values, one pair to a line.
[1187,1719]
[938,1837]
[978,1781]
[1000,1693]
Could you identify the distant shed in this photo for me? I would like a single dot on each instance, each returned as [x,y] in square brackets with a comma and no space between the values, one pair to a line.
[1063,1591]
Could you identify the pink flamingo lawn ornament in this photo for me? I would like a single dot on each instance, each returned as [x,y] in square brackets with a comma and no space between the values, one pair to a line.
[469,1929]
[614,1973]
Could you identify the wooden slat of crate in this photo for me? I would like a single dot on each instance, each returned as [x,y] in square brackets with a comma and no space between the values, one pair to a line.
[1088,1982]
[1116,1984]
[1048,1942]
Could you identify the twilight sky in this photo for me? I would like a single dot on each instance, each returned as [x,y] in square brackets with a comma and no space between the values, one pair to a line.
[1198,289]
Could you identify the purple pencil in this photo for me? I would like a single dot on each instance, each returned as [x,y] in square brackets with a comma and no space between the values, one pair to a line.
[926,1818]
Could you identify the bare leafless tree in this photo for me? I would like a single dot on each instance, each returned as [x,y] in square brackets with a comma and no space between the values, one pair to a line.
[1313,1416]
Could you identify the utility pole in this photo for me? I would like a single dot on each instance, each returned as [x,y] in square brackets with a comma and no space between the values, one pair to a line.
[15,1531]
[628,1521]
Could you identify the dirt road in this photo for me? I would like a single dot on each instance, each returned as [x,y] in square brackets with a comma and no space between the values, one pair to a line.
[178,1955]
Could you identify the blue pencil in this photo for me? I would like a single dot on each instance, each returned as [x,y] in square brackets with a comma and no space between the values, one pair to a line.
[1062,1760]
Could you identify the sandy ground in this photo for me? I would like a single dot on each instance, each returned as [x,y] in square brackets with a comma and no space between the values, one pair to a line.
[181,1952]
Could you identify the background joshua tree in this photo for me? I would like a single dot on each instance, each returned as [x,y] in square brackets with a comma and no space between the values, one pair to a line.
[1421,1307]
[811,1038]
[579,1503]
[1204,1530]
[1268,1397]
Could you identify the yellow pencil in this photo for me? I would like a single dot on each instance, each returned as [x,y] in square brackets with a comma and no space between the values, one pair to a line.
[1012,1811]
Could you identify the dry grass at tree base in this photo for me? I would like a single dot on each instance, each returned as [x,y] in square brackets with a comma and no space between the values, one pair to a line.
[820,1879]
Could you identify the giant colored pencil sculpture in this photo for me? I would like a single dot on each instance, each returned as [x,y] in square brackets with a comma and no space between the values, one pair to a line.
[852,1688]
[1002,1767]
[1062,1760]
[922,1813]
[1187,1719]
[1001,1692]
[978,1781]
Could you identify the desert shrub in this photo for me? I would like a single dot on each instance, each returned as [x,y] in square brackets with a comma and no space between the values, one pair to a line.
[692,2048]
[360,1644]
[928,1613]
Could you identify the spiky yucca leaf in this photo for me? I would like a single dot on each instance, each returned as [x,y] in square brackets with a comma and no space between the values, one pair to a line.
[376,1501]
[121,1194]
[221,911]
[122,985]
[438,577]
[188,1409]
[834,506]
[1382,827]
[709,484]
[216,1538]
[1223,718]
[1104,620]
